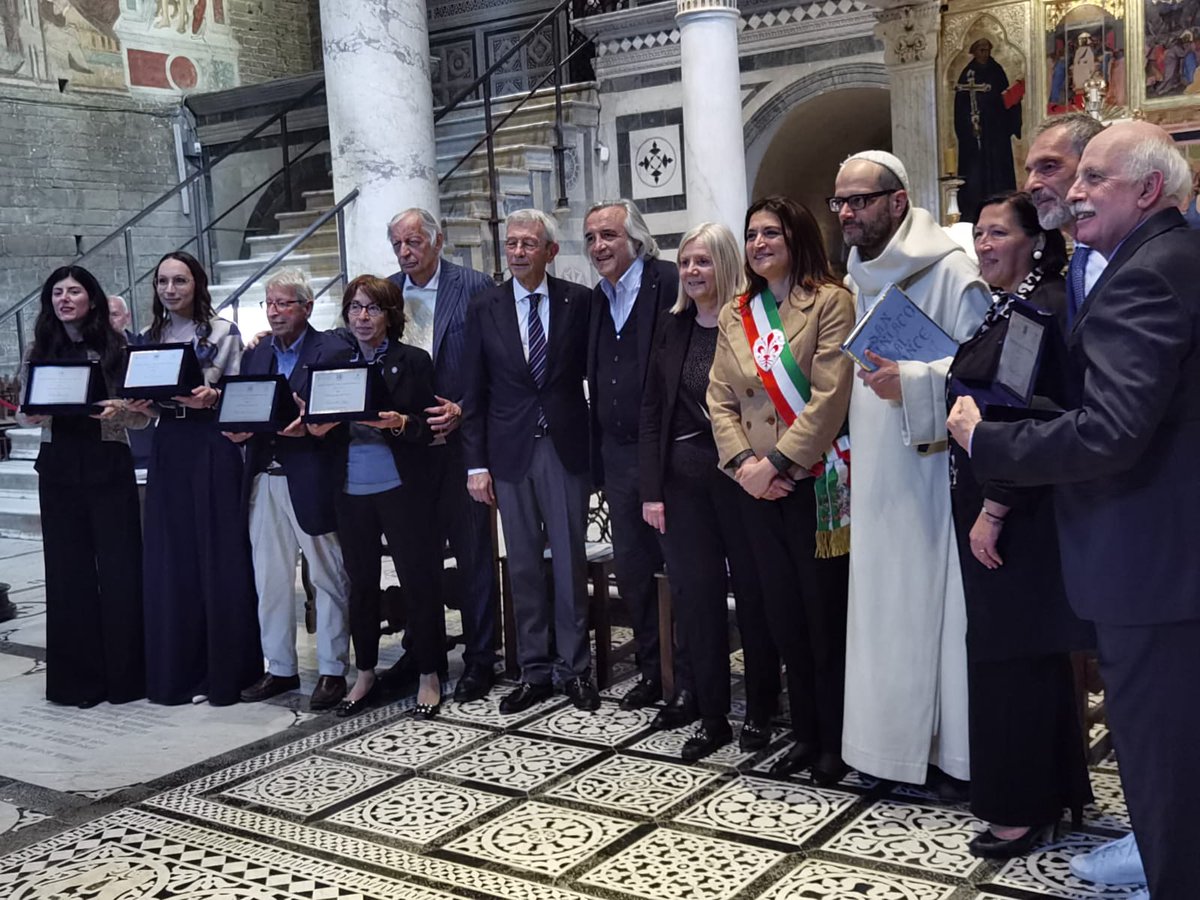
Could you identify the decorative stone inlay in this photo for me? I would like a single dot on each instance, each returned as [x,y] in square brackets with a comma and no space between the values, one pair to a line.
[909,34]
[639,786]
[816,878]
[410,743]
[419,810]
[921,837]
[516,763]
[309,785]
[773,810]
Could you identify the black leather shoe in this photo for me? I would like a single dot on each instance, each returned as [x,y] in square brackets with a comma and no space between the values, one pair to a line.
[328,693]
[426,711]
[348,708]
[270,686]
[474,684]
[711,736]
[988,846]
[799,756]
[8,610]
[679,712]
[582,694]
[754,737]
[525,696]
[829,770]
[646,692]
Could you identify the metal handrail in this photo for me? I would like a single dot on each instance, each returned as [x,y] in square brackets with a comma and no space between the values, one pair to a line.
[124,227]
[299,239]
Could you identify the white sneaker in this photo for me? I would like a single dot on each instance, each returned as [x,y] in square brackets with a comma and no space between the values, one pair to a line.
[1117,862]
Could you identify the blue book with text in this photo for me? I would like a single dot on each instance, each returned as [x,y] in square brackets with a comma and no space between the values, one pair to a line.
[896,328]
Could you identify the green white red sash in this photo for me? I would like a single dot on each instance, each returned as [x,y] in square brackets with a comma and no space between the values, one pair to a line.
[790,391]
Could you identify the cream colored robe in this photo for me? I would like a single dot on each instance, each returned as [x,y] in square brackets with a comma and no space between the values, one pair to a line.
[906,656]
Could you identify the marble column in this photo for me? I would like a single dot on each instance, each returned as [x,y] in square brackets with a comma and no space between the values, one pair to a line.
[910,39]
[713,149]
[377,84]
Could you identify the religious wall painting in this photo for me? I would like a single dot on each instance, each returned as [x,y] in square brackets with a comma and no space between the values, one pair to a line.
[1171,37]
[1085,64]
[81,45]
[178,45]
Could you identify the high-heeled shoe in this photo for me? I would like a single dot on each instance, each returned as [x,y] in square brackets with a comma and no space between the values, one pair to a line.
[987,845]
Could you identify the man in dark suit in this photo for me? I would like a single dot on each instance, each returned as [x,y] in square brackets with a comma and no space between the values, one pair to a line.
[428,281]
[635,288]
[1123,463]
[292,480]
[525,444]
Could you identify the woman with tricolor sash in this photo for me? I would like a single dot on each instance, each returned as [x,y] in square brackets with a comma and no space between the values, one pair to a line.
[778,394]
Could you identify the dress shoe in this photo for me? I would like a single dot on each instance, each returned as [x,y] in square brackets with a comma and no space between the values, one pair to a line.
[525,696]
[328,693]
[348,707]
[1117,862]
[582,694]
[88,704]
[8,610]
[646,692]
[679,712]
[426,711]
[828,770]
[270,686]
[799,756]
[754,737]
[987,845]
[710,736]
[474,684]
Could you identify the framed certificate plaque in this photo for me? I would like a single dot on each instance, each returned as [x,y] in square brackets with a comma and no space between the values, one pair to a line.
[160,371]
[255,403]
[344,392]
[63,388]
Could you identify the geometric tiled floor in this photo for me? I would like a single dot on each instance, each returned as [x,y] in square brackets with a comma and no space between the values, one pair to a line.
[555,804]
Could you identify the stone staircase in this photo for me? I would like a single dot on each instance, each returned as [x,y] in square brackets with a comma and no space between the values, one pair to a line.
[20,516]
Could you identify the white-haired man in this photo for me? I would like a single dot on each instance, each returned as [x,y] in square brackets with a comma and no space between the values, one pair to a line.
[1122,463]
[906,657]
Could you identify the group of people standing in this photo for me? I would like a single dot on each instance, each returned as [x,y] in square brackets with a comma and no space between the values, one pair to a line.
[720,418]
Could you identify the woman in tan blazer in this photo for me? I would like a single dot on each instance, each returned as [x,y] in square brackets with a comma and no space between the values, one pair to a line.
[778,396]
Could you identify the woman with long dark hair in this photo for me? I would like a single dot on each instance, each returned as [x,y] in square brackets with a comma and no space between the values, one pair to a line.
[201,611]
[91,530]
[778,395]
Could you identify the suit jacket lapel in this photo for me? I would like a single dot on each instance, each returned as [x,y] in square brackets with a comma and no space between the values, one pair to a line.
[645,307]
[675,350]
[504,313]
[309,351]
[389,366]
[446,304]
[559,320]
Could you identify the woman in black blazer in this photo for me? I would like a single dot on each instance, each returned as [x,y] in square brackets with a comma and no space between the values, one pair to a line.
[696,507]
[388,490]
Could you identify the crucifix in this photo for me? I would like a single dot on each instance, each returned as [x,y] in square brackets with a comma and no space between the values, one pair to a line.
[973,90]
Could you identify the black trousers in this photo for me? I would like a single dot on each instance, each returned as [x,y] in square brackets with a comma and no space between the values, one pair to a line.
[704,531]
[92,544]
[806,601]
[636,553]
[1150,677]
[401,516]
[1028,757]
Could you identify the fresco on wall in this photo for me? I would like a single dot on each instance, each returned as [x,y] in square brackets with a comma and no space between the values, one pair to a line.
[81,46]
[12,48]
[1172,41]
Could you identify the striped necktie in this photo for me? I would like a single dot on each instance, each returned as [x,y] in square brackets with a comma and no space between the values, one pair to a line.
[1076,281]
[537,349]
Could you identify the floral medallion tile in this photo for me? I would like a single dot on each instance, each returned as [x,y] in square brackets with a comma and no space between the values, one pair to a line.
[410,743]
[608,726]
[852,779]
[670,743]
[639,786]
[817,878]
[924,837]
[1109,810]
[310,785]
[418,810]
[618,689]
[670,865]
[486,712]
[1047,872]
[515,762]
[773,810]
[541,838]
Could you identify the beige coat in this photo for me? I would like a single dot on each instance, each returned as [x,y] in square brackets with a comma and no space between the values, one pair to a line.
[743,416]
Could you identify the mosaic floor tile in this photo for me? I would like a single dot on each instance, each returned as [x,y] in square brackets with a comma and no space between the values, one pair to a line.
[670,865]
[1109,810]
[410,743]
[819,879]
[773,810]
[640,786]
[486,712]
[309,785]
[418,810]
[608,726]
[541,838]
[924,837]
[852,779]
[669,743]
[1047,871]
[514,762]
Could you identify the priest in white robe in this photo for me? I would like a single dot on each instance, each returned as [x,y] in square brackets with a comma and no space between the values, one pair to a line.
[906,654]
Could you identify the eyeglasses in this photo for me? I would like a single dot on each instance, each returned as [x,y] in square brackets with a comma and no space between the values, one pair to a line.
[281,305]
[374,310]
[856,201]
[528,244]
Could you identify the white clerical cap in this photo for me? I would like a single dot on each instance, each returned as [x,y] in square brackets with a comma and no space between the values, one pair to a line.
[887,160]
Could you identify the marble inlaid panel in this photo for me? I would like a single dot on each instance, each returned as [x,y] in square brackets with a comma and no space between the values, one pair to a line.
[308,785]
[772,810]
[930,838]
[816,878]
[410,743]
[419,810]
[486,712]
[1047,871]
[609,726]
[1109,810]
[516,763]
[669,744]
[639,786]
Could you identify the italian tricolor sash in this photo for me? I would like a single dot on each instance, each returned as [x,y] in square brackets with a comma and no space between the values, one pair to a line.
[790,392]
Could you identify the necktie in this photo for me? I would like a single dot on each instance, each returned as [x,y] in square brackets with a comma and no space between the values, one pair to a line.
[1076,280]
[537,349]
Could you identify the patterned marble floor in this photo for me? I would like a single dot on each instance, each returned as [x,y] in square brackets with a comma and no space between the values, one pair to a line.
[549,805]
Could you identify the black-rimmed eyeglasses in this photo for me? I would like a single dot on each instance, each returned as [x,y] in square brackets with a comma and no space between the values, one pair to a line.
[856,201]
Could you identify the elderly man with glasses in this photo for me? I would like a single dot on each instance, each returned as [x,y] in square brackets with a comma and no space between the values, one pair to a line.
[906,657]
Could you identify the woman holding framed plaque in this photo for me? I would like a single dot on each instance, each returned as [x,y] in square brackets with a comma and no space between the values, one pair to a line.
[91,528]
[390,489]
[1028,758]
[202,637]
[778,394]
